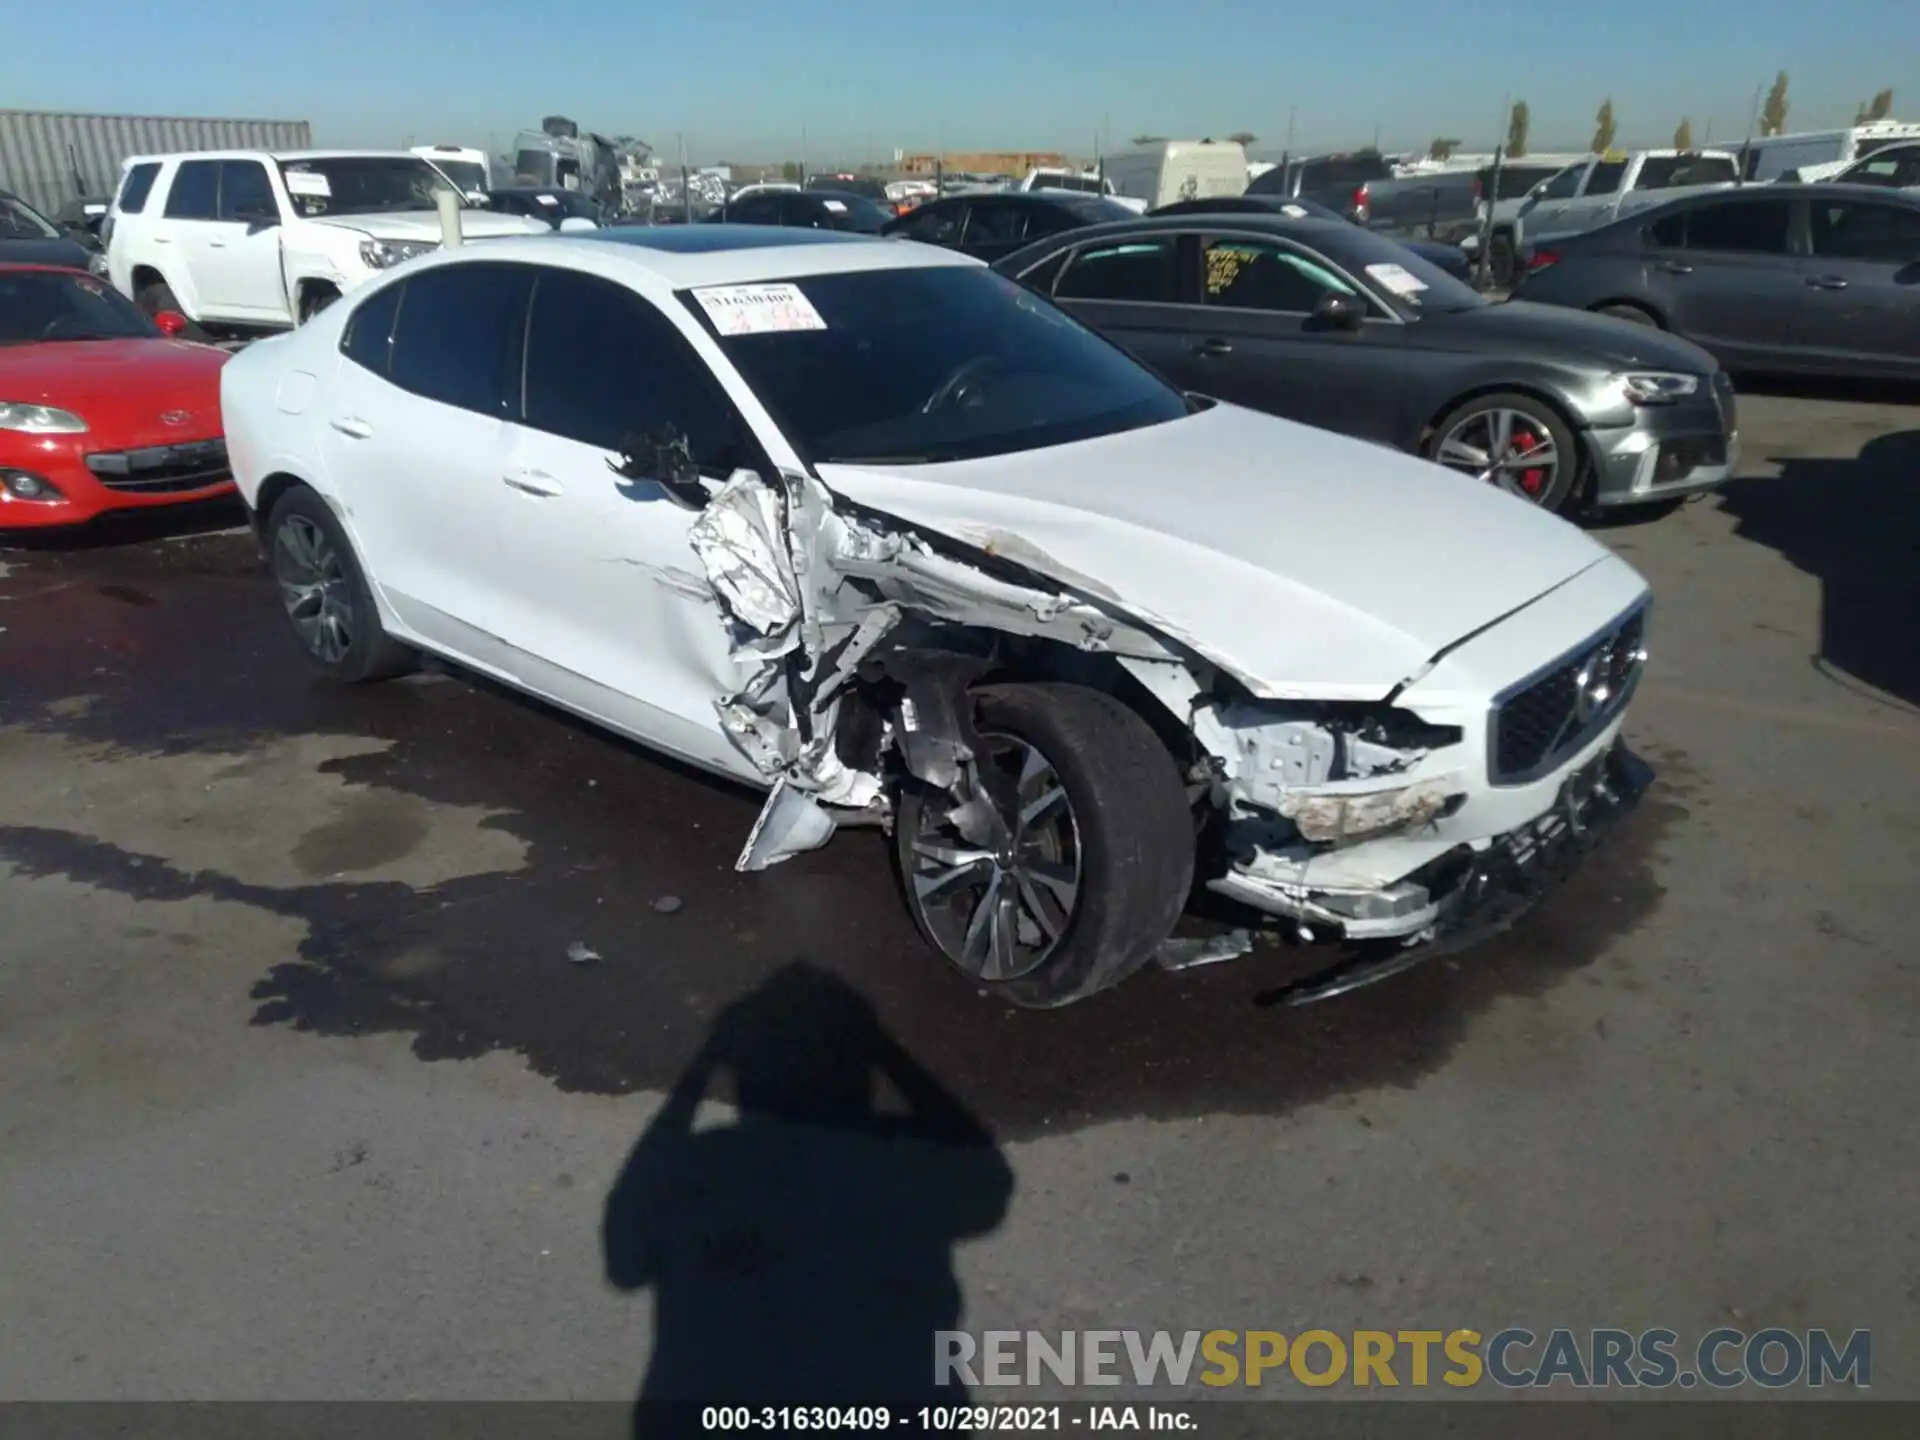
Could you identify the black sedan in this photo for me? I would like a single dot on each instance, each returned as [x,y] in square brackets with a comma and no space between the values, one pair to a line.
[1820,279]
[992,224]
[1450,258]
[28,238]
[551,203]
[1327,323]
[806,209]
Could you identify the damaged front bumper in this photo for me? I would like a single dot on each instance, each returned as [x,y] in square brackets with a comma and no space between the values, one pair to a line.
[1477,893]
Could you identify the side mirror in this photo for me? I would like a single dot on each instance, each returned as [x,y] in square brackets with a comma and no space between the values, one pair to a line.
[573,224]
[664,456]
[170,322]
[1338,312]
[257,218]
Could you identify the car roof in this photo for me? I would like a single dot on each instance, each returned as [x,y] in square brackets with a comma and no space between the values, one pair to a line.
[682,256]
[284,156]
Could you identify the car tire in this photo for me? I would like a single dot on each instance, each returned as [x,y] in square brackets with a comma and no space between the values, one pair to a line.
[329,604]
[1106,789]
[157,297]
[1631,313]
[1553,491]
[1500,262]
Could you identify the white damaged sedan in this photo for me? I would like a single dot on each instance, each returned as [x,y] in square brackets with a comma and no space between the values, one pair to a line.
[867,526]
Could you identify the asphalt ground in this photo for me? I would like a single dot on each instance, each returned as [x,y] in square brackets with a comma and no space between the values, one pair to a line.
[309,1094]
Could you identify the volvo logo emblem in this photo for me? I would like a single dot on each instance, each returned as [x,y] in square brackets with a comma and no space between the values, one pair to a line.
[175,417]
[1593,684]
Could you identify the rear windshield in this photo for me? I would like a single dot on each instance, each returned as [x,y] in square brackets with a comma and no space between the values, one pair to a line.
[920,366]
[1094,209]
[1066,180]
[1343,170]
[1666,172]
[20,221]
[136,187]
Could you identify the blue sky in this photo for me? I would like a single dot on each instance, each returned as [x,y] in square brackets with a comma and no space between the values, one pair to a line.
[740,80]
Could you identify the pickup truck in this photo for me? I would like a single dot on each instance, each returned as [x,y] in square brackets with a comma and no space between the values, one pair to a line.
[248,241]
[1600,189]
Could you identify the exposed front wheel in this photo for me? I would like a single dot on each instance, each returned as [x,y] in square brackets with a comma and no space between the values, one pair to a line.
[1513,441]
[1067,857]
[325,593]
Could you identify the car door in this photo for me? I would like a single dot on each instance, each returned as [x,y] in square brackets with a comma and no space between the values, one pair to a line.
[1540,214]
[1139,291]
[247,244]
[415,444]
[1724,274]
[610,610]
[1593,205]
[1259,345]
[1861,309]
[187,235]
[994,228]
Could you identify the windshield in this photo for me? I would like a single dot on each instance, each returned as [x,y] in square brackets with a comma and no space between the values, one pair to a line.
[919,366]
[1067,180]
[40,305]
[20,221]
[361,185]
[848,211]
[1094,209]
[469,175]
[1412,284]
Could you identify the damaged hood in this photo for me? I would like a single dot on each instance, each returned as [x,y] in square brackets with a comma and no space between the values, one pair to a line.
[1308,564]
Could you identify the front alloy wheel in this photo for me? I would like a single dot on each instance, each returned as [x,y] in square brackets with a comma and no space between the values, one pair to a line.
[315,588]
[995,879]
[1513,441]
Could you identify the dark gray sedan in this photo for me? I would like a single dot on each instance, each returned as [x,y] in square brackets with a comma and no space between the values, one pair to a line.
[1820,279]
[1326,323]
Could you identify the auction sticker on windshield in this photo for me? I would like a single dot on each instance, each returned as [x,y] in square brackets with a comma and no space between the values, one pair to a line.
[1397,278]
[758,309]
[308,182]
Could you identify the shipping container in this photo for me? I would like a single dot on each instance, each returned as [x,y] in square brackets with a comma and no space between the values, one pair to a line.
[48,158]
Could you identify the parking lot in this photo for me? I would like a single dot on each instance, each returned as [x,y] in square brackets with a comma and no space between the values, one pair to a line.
[332,1015]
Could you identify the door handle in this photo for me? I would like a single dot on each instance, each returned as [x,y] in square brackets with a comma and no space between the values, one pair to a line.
[1673,267]
[1214,346]
[1826,282]
[352,427]
[532,482]
[216,244]
[163,240]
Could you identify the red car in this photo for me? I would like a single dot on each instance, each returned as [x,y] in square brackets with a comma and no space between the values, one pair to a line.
[100,408]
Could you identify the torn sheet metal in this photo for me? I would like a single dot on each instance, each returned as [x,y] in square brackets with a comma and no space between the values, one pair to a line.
[791,822]
[741,539]
[1190,954]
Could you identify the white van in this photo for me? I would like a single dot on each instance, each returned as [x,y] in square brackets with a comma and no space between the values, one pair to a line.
[1171,170]
[1824,152]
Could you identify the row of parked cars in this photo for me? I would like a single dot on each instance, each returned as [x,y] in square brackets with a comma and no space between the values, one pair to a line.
[1059,566]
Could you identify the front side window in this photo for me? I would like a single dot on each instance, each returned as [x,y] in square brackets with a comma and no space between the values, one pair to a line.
[1565,185]
[456,339]
[1756,227]
[361,184]
[923,365]
[603,365]
[1849,230]
[989,223]
[136,187]
[245,191]
[195,192]
[1137,270]
[37,306]
[1255,275]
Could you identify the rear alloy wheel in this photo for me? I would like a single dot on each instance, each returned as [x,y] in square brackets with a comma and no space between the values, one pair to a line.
[325,595]
[1631,313]
[1066,859]
[1512,441]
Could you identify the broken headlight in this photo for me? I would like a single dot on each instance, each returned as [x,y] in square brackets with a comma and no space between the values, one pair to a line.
[384,254]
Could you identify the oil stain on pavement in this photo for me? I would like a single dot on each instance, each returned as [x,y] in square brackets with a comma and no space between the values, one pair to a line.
[480,963]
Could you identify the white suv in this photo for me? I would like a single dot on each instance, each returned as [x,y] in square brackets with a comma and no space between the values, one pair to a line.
[246,239]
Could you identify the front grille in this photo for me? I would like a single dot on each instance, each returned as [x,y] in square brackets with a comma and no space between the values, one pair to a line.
[1553,714]
[159,469]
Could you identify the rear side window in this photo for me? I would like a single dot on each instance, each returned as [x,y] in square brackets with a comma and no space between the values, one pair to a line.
[1139,270]
[1849,230]
[1752,228]
[604,364]
[370,328]
[135,188]
[933,224]
[991,223]
[195,192]
[458,332]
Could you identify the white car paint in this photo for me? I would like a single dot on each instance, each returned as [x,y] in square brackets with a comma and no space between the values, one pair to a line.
[225,271]
[1305,565]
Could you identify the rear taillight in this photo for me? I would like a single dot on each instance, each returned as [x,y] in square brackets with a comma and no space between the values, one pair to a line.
[1541,259]
[1360,208]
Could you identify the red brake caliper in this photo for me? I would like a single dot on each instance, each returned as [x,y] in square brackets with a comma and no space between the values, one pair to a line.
[1530,480]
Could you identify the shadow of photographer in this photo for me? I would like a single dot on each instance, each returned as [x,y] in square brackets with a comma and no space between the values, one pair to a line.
[802,1254]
